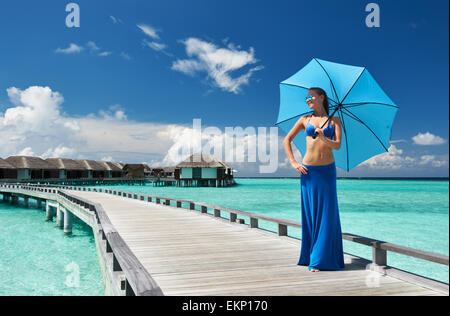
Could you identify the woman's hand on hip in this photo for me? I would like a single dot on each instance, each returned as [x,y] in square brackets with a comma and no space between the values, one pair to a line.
[300,168]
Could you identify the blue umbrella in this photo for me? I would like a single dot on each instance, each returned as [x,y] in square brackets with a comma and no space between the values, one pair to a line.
[365,111]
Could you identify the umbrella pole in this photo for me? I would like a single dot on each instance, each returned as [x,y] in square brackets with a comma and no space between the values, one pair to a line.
[329,118]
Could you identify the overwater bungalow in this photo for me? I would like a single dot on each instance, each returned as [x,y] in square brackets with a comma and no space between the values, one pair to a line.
[7,171]
[156,171]
[169,171]
[203,170]
[93,169]
[136,170]
[67,168]
[30,168]
[114,169]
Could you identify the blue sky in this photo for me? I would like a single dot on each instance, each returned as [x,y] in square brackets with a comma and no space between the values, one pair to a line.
[134,70]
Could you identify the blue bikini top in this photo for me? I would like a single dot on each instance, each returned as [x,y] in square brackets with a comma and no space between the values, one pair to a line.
[328,131]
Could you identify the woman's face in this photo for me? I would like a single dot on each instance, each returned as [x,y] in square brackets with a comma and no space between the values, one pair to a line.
[314,100]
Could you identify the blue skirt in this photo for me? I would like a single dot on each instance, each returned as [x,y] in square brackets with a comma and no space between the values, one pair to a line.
[321,246]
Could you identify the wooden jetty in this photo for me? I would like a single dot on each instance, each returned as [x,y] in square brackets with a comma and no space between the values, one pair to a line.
[151,181]
[152,245]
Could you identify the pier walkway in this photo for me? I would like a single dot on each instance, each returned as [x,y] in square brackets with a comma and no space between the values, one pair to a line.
[188,251]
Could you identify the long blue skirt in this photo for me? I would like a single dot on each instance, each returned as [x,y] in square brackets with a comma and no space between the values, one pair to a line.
[321,246]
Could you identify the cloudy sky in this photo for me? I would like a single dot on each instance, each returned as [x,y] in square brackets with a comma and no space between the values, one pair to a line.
[128,83]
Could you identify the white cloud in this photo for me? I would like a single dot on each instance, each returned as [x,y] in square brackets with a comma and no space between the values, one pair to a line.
[433,160]
[27,151]
[72,49]
[428,139]
[102,54]
[155,46]
[115,20]
[392,159]
[125,56]
[58,152]
[35,123]
[149,31]
[92,46]
[107,158]
[37,108]
[217,63]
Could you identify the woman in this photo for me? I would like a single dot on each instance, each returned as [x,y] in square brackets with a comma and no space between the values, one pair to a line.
[321,247]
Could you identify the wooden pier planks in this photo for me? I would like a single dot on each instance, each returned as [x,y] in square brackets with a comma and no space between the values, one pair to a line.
[188,253]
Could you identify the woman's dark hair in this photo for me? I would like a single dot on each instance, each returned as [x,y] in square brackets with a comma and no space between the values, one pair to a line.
[320,91]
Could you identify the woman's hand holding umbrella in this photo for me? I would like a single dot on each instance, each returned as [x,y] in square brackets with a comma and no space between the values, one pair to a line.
[320,134]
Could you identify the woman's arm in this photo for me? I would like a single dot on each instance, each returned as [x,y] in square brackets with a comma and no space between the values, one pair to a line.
[290,136]
[333,144]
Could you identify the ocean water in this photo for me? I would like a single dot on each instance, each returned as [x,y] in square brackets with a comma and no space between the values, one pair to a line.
[412,213]
[37,259]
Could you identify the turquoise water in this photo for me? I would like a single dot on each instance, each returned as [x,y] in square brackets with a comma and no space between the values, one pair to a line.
[37,259]
[412,213]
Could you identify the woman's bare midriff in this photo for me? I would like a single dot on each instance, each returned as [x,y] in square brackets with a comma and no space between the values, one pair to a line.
[317,153]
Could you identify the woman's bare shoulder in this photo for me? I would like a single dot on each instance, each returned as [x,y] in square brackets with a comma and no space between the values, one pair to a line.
[336,119]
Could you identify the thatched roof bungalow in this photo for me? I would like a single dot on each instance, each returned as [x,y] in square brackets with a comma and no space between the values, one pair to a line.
[169,171]
[93,169]
[114,169]
[163,171]
[32,167]
[7,171]
[203,166]
[67,168]
[134,171]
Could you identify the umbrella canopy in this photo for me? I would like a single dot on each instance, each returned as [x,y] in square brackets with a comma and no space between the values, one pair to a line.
[365,111]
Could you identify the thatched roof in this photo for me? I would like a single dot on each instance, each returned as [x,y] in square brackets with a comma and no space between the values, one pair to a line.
[65,164]
[27,162]
[168,169]
[5,165]
[119,164]
[92,165]
[202,160]
[110,165]
[134,166]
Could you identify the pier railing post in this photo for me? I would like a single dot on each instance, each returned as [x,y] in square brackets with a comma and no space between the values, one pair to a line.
[282,229]
[379,256]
